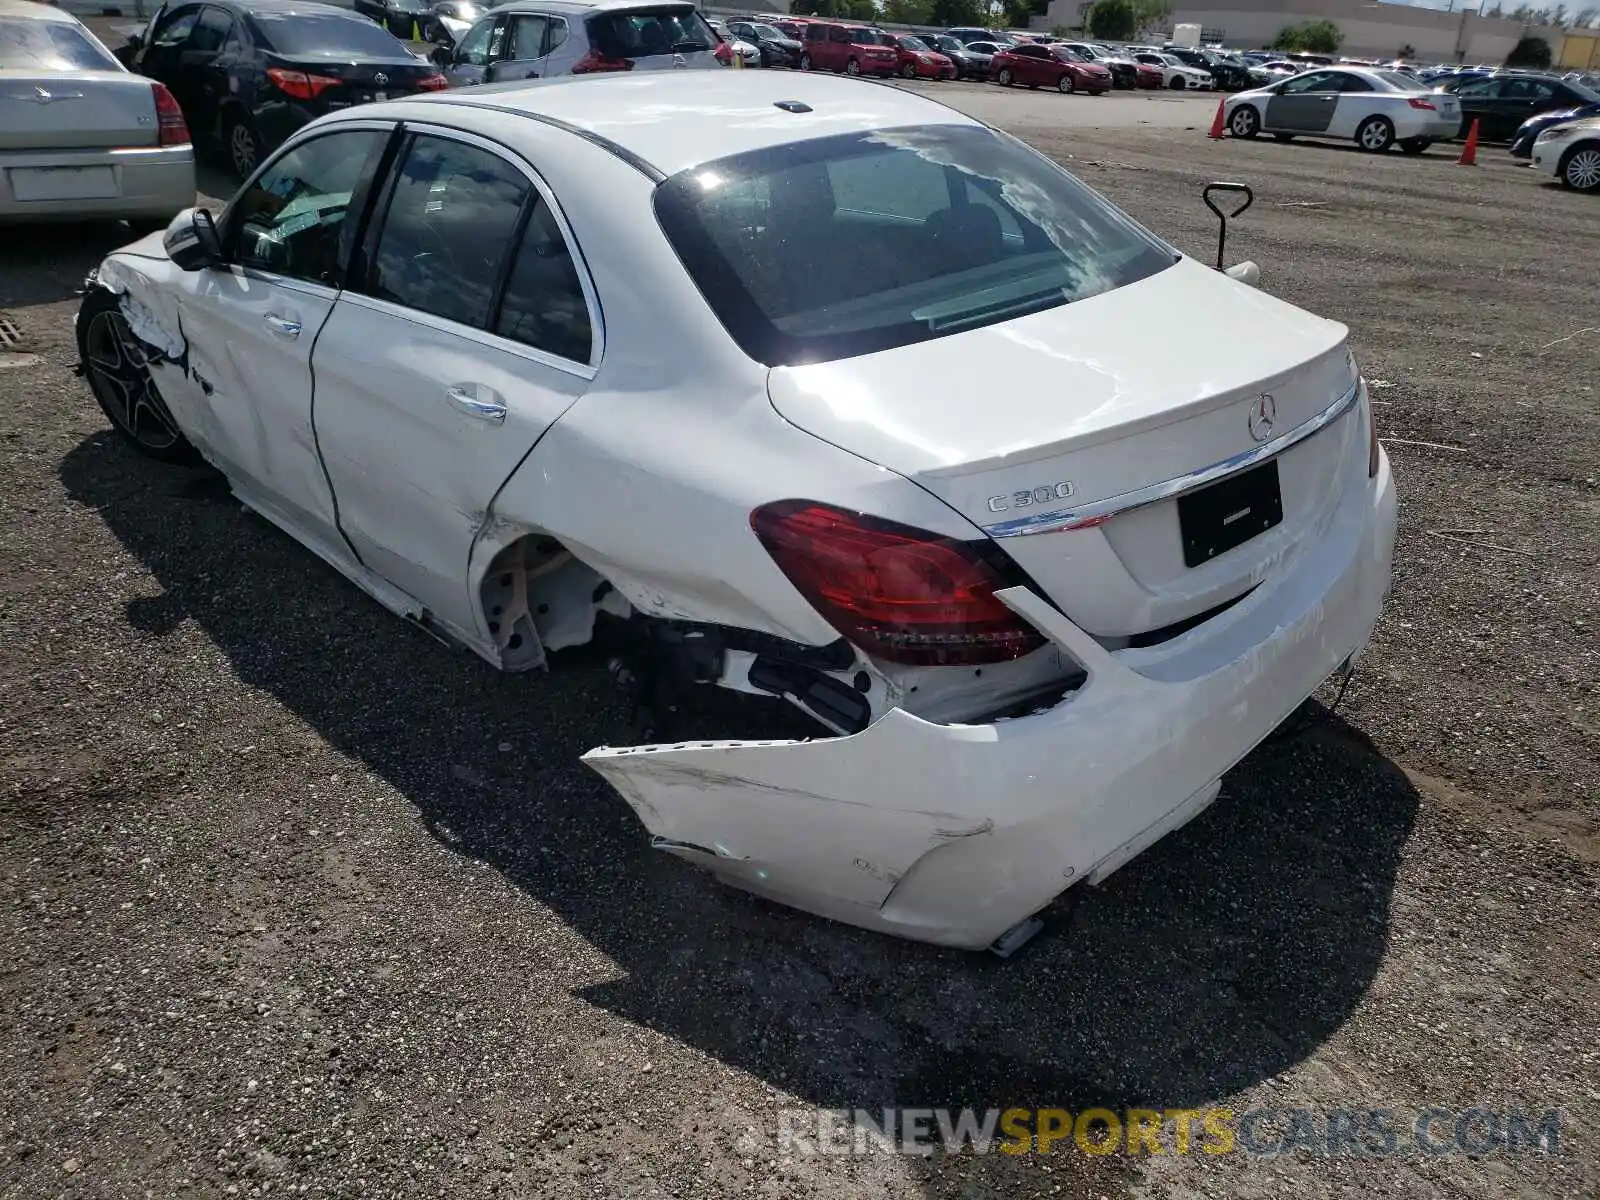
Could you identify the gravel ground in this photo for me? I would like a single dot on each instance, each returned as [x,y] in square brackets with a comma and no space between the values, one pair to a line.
[297,901]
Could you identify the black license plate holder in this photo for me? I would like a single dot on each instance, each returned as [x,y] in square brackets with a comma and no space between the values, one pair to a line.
[1215,519]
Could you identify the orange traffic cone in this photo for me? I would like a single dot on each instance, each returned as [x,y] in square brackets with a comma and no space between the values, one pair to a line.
[1218,129]
[1469,152]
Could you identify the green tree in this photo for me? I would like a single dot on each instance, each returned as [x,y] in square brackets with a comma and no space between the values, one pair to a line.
[1113,20]
[1151,14]
[1530,52]
[945,13]
[1310,37]
[1408,51]
[858,10]
[907,12]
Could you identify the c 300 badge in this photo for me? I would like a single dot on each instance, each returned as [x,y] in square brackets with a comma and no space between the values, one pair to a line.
[1045,493]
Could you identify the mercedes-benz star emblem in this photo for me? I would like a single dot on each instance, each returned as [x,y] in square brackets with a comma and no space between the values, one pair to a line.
[42,96]
[1263,414]
[380,79]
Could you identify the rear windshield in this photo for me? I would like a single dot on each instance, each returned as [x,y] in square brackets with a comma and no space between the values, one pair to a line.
[315,35]
[847,245]
[51,46]
[642,32]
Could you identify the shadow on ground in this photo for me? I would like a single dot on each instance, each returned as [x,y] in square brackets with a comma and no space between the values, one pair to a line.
[1221,957]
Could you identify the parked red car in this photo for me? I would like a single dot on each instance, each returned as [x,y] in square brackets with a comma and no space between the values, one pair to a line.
[853,49]
[917,58]
[1048,66]
[1150,77]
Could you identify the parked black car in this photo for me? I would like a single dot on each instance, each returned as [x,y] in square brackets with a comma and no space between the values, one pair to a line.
[1230,75]
[969,63]
[777,48]
[404,18]
[1529,130]
[1501,103]
[248,73]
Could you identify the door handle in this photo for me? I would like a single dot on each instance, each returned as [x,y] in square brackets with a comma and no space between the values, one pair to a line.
[282,326]
[477,402]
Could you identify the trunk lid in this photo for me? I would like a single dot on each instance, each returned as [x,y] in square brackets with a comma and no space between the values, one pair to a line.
[1050,413]
[75,110]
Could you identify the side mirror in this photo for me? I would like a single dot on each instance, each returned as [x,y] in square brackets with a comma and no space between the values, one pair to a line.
[135,41]
[1245,272]
[192,241]
[442,56]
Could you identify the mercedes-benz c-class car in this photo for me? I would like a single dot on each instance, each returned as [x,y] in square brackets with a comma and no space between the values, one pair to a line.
[697,369]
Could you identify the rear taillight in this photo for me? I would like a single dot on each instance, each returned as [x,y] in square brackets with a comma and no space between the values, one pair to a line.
[723,53]
[433,83]
[901,594]
[174,131]
[300,84]
[595,61]
[1419,102]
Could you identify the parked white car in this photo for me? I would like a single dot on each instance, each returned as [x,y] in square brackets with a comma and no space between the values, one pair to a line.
[80,135]
[1571,153]
[1373,108]
[748,53]
[717,391]
[1175,73]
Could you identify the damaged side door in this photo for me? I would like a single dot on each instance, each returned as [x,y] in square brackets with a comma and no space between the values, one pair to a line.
[250,324]
[434,380]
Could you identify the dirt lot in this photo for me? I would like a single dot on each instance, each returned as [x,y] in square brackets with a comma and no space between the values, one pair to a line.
[298,901]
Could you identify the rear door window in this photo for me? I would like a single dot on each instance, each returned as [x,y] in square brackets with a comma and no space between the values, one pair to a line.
[524,37]
[452,211]
[544,305]
[326,35]
[211,32]
[641,33]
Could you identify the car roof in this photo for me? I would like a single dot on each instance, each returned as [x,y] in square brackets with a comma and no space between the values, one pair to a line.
[672,120]
[32,10]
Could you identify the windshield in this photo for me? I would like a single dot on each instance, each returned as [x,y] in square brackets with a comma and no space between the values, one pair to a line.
[51,46]
[767,31]
[1068,55]
[304,35]
[947,44]
[930,230]
[911,43]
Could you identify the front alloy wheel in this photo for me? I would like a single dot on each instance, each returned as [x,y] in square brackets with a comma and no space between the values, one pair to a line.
[1375,135]
[805,62]
[1581,171]
[852,67]
[1064,84]
[1004,78]
[1245,122]
[116,365]
[908,72]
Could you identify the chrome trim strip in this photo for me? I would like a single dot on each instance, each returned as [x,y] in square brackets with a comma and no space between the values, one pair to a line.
[1102,510]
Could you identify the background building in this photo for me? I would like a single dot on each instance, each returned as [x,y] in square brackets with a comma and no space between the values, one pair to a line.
[1371,30]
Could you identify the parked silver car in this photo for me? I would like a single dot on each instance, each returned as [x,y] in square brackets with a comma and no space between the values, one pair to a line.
[540,38]
[81,136]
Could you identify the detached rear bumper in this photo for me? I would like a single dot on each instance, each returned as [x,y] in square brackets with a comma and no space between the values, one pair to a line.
[952,834]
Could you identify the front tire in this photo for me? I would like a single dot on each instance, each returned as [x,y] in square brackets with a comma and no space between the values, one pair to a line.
[1177,84]
[1580,170]
[1064,85]
[1375,135]
[1004,77]
[116,364]
[908,72]
[1415,145]
[805,62]
[1245,122]
[852,67]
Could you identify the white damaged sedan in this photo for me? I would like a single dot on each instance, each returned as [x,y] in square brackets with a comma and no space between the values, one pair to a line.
[808,389]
